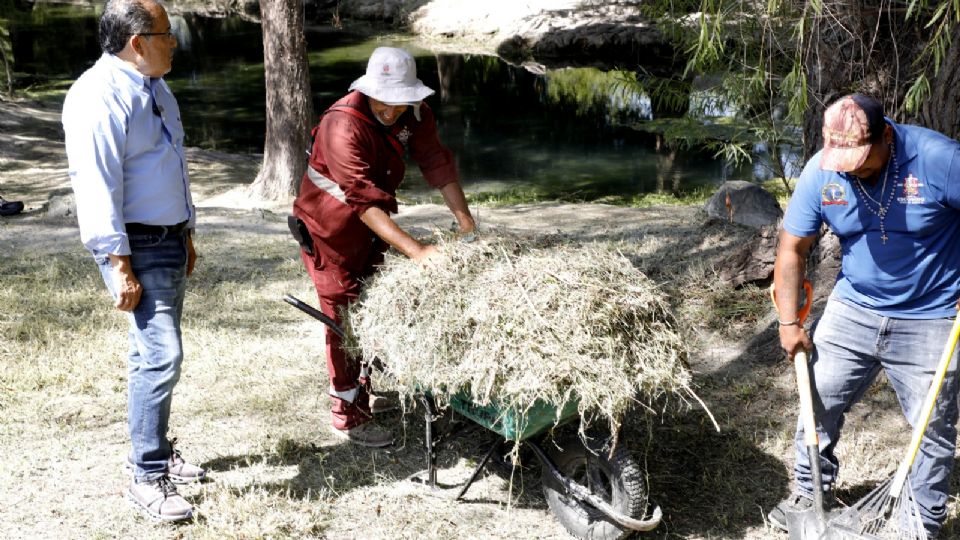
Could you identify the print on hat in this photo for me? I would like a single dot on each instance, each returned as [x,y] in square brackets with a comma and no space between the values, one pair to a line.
[391,78]
[846,136]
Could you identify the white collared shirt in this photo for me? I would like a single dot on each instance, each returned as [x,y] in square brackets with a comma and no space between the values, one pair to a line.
[126,157]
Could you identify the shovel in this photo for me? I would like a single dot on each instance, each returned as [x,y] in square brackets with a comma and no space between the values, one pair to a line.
[810,524]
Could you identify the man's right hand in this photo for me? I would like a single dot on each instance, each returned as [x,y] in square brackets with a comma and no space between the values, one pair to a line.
[125,284]
[794,338]
[425,254]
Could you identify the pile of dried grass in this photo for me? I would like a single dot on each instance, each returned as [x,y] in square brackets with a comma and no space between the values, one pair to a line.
[514,322]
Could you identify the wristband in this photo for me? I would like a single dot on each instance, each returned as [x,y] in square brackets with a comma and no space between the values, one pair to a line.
[795,322]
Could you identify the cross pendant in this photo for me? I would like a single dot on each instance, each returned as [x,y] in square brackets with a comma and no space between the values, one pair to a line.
[883,238]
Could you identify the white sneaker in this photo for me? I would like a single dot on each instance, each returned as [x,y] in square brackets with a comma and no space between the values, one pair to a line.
[179,471]
[159,500]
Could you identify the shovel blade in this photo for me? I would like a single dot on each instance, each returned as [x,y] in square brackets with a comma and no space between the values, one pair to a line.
[805,525]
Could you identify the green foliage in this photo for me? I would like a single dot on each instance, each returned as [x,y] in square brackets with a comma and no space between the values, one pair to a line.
[794,90]
[592,92]
[747,64]
[518,196]
[918,91]
[707,49]
[756,57]
[697,197]
[940,21]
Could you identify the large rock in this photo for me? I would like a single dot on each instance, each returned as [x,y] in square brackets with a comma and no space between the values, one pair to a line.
[553,33]
[744,203]
[752,262]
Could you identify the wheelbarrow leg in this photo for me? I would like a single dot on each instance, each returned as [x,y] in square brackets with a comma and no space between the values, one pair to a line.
[430,415]
[476,472]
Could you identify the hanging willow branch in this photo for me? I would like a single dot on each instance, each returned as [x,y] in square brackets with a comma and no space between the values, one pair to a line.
[776,64]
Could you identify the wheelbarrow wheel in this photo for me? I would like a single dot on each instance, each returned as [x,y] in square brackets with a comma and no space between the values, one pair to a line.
[617,479]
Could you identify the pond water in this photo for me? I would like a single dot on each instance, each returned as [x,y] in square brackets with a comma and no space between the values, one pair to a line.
[562,134]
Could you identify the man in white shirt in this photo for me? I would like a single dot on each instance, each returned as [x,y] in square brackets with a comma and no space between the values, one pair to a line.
[124,144]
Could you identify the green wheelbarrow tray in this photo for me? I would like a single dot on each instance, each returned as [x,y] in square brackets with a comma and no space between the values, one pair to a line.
[512,423]
[571,495]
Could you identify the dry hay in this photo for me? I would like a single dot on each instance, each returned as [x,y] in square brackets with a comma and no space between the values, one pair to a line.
[513,322]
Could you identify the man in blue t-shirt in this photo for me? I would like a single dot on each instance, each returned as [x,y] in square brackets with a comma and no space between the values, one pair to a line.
[891,193]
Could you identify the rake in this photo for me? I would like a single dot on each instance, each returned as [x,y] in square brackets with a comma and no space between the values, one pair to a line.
[890,511]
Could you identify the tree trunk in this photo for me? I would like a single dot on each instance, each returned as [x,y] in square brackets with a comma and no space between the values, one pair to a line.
[940,112]
[874,51]
[289,106]
[6,51]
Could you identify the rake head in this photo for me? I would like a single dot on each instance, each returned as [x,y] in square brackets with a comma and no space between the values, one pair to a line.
[880,515]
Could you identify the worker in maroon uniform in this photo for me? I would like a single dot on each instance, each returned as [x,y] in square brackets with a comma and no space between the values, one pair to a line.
[346,198]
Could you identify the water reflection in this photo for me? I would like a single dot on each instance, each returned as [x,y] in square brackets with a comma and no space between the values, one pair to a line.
[562,133]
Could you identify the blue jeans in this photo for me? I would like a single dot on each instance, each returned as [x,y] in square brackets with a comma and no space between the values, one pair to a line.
[159,262]
[851,345]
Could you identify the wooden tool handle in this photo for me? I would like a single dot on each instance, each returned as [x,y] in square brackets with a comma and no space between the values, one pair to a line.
[810,437]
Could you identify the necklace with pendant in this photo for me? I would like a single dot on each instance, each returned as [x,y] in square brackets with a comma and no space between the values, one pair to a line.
[882,208]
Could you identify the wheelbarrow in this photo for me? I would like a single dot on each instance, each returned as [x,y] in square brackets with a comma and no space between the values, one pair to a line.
[593,492]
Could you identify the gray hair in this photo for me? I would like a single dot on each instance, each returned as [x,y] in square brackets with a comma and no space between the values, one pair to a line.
[120,20]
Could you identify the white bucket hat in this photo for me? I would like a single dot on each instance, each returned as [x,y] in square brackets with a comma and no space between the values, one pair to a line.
[391,78]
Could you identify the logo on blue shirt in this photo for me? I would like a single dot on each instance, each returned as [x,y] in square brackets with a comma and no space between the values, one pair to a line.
[833,193]
[911,191]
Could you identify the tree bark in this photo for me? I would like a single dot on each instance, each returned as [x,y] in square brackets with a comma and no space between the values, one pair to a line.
[875,51]
[289,106]
[6,49]
[940,112]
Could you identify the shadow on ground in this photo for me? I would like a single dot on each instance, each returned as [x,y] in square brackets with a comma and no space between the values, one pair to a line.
[331,464]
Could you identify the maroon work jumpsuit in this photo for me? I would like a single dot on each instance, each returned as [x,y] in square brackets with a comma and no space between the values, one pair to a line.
[357,163]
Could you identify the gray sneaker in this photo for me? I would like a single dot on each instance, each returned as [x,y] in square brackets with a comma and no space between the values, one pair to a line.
[367,434]
[159,500]
[797,503]
[179,471]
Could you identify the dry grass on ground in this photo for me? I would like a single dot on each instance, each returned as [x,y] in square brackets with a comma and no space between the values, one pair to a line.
[251,407]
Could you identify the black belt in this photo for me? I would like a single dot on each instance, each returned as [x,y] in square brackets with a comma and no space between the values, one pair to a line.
[140,228]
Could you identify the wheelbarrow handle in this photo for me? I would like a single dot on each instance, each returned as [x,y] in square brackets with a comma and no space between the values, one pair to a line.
[315,313]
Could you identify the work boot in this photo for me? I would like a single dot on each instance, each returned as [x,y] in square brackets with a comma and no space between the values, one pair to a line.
[797,503]
[9,208]
[367,434]
[159,500]
[179,471]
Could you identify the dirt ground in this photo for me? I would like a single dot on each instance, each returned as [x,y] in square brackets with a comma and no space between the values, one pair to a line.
[275,473]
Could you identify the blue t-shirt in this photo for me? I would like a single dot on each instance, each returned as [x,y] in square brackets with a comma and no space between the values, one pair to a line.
[916,273]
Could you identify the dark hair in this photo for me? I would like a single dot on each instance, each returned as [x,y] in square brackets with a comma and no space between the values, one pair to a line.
[873,109]
[120,20]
